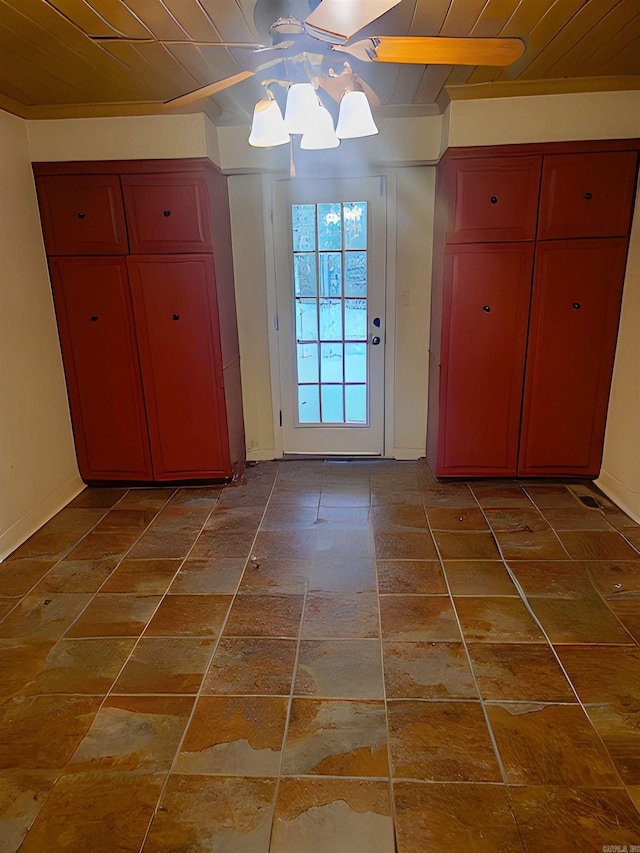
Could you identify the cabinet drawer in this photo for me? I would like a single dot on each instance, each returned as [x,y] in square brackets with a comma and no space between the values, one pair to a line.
[587,195]
[167,213]
[82,215]
[493,199]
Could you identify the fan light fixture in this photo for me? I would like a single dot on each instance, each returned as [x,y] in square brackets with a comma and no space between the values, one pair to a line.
[305,115]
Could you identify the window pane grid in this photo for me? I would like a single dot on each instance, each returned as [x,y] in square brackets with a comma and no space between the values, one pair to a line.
[330,291]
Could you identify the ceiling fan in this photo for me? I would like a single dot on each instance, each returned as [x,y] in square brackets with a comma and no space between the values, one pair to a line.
[326,33]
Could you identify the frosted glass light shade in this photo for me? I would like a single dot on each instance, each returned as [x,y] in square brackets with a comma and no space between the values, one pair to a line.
[354,118]
[301,107]
[321,133]
[267,127]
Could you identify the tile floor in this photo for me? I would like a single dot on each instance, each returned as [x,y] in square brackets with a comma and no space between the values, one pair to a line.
[336,657]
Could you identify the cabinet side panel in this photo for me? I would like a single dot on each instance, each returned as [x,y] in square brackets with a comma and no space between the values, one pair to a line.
[574,323]
[487,294]
[93,307]
[176,322]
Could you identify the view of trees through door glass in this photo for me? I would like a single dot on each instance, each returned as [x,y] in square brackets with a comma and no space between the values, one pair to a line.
[330,291]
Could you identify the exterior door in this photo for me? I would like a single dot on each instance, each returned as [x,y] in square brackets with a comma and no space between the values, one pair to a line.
[330,268]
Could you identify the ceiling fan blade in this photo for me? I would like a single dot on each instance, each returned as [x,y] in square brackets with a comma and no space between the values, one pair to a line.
[205,92]
[237,45]
[437,50]
[338,20]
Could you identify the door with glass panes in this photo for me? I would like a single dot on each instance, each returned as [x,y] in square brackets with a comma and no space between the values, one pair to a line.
[330,267]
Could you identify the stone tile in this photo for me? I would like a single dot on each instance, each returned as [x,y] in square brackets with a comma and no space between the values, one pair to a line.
[554,818]
[628,612]
[78,575]
[349,574]
[199,813]
[492,619]
[234,736]
[576,518]
[333,816]
[22,795]
[500,496]
[550,745]
[415,618]
[456,518]
[217,576]
[20,662]
[404,545]
[441,742]
[81,666]
[59,535]
[553,578]
[291,544]
[43,616]
[166,665]
[172,534]
[189,615]
[618,724]
[521,545]
[456,495]
[519,672]
[348,497]
[130,520]
[6,606]
[579,620]
[137,734]
[150,498]
[615,579]
[521,520]
[602,673]
[115,616]
[252,666]
[551,496]
[478,577]
[338,517]
[265,616]
[427,671]
[346,669]
[466,546]
[336,615]
[196,496]
[98,545]
[289,517]
[336,738]
[276,575]
[42,732]
[147,577]
[399,517]
[446,816]
[101,812]
[418,577]
[19,576]
[597,545]
[234,520]
[102,496]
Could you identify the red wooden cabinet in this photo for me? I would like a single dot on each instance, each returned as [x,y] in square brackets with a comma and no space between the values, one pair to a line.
[574,325]
[523,391]
[167,213]
[487,290]
[493,199]
[176,323]
[587,195]
[82,215]
[149,340]
[98,341]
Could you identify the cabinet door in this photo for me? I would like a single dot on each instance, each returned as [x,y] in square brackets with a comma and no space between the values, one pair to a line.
[493,198]
[177,327]
[95,320]
[167,213]
[574,324]
[486,304]
[82,214]
[587,195]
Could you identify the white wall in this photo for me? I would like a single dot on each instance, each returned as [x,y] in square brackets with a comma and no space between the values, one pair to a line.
[620,475]
[38,471]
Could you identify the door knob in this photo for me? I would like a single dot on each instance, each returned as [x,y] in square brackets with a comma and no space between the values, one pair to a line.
[375,341]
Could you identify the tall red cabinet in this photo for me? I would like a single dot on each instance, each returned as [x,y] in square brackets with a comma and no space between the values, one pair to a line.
[142,276]
[529,261]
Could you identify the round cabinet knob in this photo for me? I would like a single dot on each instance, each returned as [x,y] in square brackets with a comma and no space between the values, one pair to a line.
[375,341]
[176,316]
[577,305]
[166,213]
[494,199]
[94,319]
[81,215]
[486,308]
[588,196]
[376,322]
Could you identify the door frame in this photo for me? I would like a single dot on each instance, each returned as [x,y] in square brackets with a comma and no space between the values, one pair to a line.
[269,183]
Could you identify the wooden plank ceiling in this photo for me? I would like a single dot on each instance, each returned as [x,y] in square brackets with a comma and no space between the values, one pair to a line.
[155,50]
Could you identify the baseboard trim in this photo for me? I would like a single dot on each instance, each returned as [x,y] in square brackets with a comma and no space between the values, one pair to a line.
[22,529]
[622,497]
